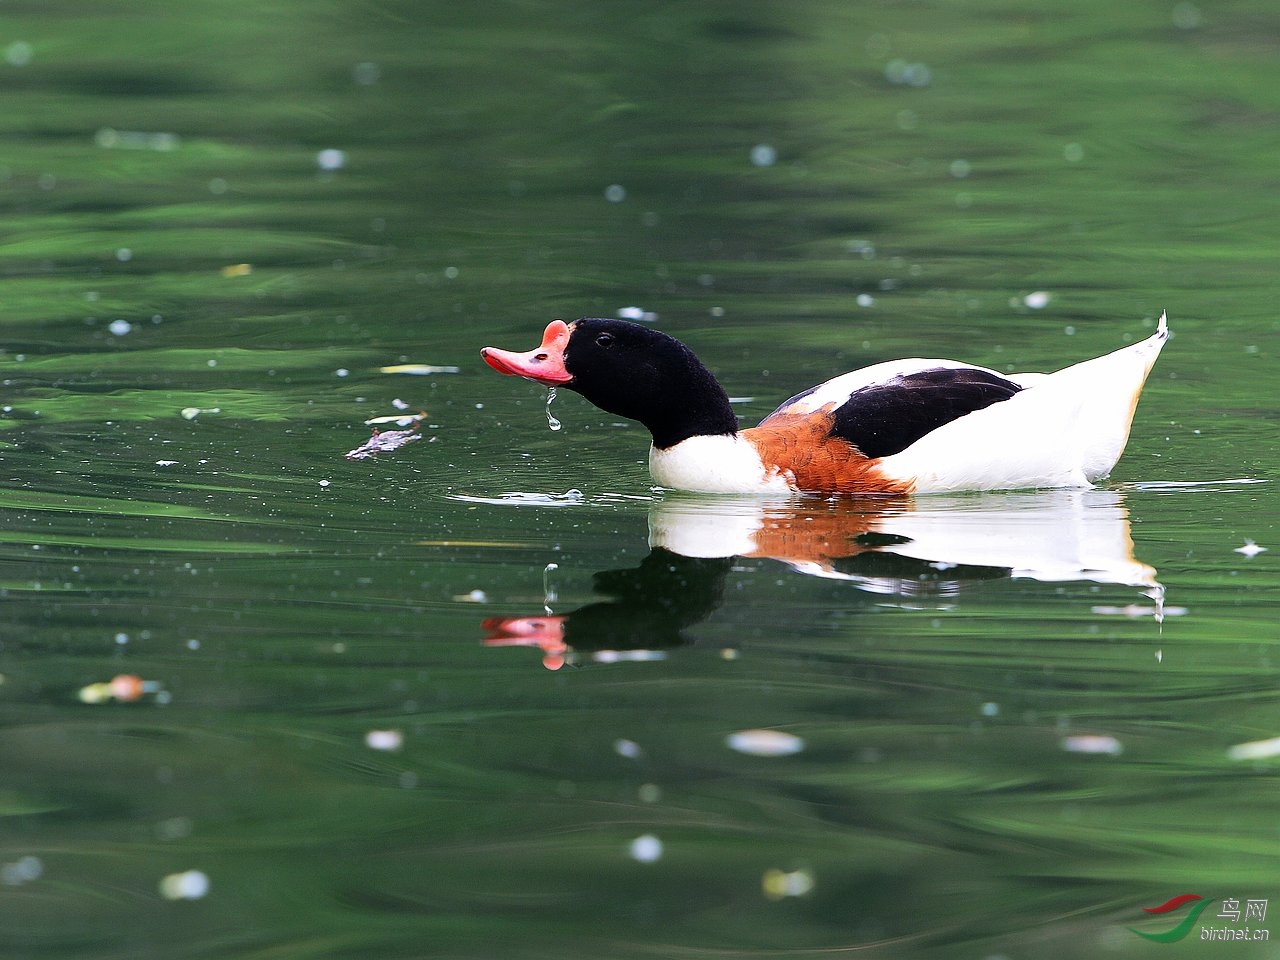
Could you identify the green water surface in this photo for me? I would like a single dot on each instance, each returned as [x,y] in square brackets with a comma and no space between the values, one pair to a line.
[477,697]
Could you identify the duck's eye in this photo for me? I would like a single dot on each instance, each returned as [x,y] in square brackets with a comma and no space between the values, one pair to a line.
[604,340]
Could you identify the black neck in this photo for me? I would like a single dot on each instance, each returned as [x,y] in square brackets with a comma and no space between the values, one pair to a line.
[701,410]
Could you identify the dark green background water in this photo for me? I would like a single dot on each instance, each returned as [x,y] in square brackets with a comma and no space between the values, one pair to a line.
[804,188]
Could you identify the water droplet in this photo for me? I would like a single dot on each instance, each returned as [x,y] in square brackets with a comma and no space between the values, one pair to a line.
[552,422]
[548,588]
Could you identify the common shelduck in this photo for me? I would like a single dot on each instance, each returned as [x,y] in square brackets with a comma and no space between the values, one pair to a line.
[899,427]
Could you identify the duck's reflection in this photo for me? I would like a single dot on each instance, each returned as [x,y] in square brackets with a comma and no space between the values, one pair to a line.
[647,610]
[921,552]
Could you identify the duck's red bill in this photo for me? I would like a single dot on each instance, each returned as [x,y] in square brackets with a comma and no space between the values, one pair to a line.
[544,364]
[545,633]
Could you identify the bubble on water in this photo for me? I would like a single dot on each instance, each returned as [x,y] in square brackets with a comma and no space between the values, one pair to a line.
[615,193]
[763,155]
[646,848]
[366,74]
[778,884]
[119,327]
[636,313]
[331,159]
[384,740]
[1250,549]
[906,73]
[20,871]
[1255,750]
[188,885]
[174,828]
[1037,300]
[1092,743]
[765,743]
[1187,16]
[18,53]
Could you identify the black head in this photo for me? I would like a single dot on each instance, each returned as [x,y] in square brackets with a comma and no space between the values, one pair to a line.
[643,374]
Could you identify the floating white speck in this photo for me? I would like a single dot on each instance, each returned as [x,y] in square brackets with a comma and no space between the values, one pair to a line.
[908,74]
[417,369]
[627,748]
[384,739]
[342,372]
[324,483]
[631,656]
[763,155]
[615,193]
[782,883]
[1250,549]
[331,159]
[188,885]
[190,413]
[1138,611]
[1092,743]
[366,73]
[399,419]
[166,463]
[646,848]
[119,327]
[399,404]
[1187,16]
[866,300]
[1255,750]
[637,313]
[18,53]
[1037,300]
[20,871]
[991,709]
[765,743]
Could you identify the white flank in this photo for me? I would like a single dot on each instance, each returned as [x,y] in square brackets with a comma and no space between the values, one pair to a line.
[1066,429]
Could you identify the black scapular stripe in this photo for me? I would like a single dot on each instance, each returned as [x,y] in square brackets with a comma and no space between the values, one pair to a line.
[885,418]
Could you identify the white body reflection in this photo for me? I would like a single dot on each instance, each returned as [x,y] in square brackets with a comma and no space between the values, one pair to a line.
[1051,535]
